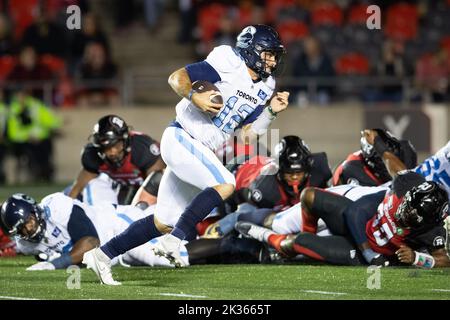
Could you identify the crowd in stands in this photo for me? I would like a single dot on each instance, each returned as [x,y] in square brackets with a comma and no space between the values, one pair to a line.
[60,66]
[328,38]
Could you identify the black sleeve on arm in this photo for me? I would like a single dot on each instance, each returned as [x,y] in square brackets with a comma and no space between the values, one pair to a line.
[320,171]
[144,151]
[80,225]
[429,239]
[359,212]
[264,191]
[90,159]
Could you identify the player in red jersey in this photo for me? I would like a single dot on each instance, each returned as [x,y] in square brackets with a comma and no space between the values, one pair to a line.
[367,167]
[263,188]
[402,225]
[127,157]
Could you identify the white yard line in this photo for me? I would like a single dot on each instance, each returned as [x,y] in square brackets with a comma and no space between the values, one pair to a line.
[181,295]
[324,292]
[17,298]
[441,290]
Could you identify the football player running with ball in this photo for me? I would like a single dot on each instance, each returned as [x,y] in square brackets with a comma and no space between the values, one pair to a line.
[195,180]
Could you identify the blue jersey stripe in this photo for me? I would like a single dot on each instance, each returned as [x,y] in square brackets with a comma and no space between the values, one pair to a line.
[208,164]
[202,71]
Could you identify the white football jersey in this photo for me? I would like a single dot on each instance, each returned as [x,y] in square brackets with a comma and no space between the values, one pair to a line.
[437,167]
[240,94]
[107,219]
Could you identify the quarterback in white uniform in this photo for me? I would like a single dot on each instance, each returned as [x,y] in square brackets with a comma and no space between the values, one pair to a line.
[195,181]
[63,229]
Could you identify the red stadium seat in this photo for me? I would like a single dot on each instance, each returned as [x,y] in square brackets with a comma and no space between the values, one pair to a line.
[274,6]
[327,14]
[23,13]
[7,63]
[352,64]
[292,30]
[402,21]
[358,14]
[55,64]
[209,20]
[445,43]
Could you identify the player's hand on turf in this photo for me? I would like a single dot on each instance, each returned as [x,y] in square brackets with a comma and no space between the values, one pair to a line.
[280,101]
[369,135]
[202,101]
[44,265]
[405,254]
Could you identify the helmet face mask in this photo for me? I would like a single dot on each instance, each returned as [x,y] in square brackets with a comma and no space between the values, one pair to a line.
[261,48]
[295,161]
[21,216]
[107,133]
[422,206]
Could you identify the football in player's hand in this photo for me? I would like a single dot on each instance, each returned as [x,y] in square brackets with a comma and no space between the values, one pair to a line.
[202,86]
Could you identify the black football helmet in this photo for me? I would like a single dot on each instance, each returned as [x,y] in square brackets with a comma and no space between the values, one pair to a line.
[403,149]
[107,132]
[294,156]
[253,41]
[17,211]
[423,206]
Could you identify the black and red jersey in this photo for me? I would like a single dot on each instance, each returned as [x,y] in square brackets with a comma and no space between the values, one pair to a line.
[257,182]
[354,170]
[386,237]
[144,152]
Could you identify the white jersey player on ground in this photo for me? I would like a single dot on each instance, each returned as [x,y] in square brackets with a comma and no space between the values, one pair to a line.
[195,181]
[63,229]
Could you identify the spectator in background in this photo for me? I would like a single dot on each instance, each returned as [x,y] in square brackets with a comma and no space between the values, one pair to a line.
[432,75]
[31,127]
[29,69]
[188,20]
[153,11]
[45,36]
[6,40]
[89,33]
[97,73]
[313,62]
[392,66]
[227,33]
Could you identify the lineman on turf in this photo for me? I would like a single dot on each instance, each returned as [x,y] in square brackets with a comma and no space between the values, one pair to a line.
[64,229]
[402,225]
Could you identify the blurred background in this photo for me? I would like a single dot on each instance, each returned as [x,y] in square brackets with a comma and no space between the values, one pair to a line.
[55,83]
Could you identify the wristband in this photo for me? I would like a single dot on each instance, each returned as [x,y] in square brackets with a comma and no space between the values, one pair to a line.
[274,114]
[423,260]
[189,96]
[62,262]
[379,146]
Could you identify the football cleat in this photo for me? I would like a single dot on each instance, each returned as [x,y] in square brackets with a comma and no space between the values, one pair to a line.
[168,247]
[251,230]
[100,263]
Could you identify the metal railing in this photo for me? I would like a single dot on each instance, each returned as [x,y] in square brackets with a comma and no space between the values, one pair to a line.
[340,88]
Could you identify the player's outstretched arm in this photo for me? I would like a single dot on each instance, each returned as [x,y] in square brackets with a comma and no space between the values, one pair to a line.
[437,259]
[81,246]
[393,164]
[82,180]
